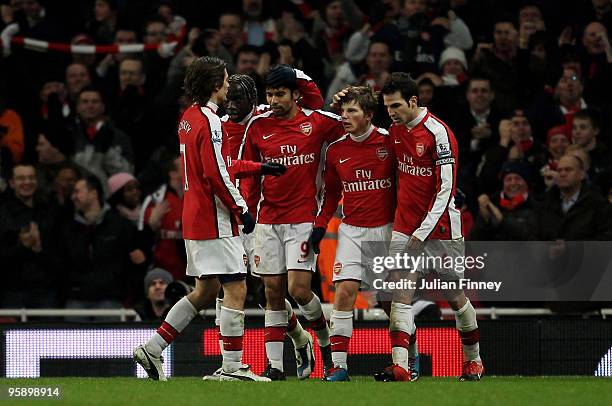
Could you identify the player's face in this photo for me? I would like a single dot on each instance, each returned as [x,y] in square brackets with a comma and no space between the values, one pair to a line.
[222,92]
[282,100]
[237,105]
[354,119]
[400,110]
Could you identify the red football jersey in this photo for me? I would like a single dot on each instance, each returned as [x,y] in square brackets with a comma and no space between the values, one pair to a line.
[365,173]
[311,99]
[211,200]
[298,144]
[426,153]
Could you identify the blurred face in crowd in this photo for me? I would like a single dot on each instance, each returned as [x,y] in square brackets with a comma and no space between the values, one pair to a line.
[570,172]
[557,145]
[505,37]
[354,119]
[131,194]
[521,128]
[31,8]
[393,7]
[333,14]
[453,67]
[155,33]
[238,106]
[77,77]
[282,100]
[583,132]
[426,93]
[480,95]
[83,197]
[174,175]
[53,87]
[379,58]
[246,63]
[569,87]
[530,14]
[90,106]
[412,7]
[65,180]
[400,110]
[156,291]
[102,11]
[131,73]
[47,153]
[592,40]
[252,8]
[230,29]
[23,182]
[123,37]
[514,185]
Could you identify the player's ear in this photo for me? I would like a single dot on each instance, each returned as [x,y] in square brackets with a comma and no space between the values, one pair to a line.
[296,94]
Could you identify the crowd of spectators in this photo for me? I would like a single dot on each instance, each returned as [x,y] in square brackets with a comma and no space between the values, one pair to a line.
[90,187]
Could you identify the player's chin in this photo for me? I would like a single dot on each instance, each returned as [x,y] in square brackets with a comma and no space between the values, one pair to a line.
[347,127]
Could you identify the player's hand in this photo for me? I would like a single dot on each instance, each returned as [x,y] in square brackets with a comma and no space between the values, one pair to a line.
[248,222]
[273,168]
[336,98]
[481,131]
[315,238]
[414,243]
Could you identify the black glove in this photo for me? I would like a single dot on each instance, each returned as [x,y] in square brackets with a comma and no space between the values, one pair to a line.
[281,76]
[248,222]
[273,168]
[315,238]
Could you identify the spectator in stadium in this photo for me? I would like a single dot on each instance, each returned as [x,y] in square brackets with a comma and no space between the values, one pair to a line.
[100,252]
[88,60]
[572,210]
[553,109]
[373,74]
[102,28]
[258,27]
[125,195]
[586,133]
[12,140]
[77,78]
[498,61]
[27,252]
[54,100]
[505,216]
[63,186]
[99,146]
[107,70]
[155,305]
[559,138]
[230,32]
[161,216]
[53,148]
[596,58]
[515,143]
[426,92]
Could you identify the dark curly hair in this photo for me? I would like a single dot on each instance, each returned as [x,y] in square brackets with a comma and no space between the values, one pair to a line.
[400,82]
[204,76]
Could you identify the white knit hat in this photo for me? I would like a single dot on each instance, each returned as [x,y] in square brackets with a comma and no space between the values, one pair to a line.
[453,53]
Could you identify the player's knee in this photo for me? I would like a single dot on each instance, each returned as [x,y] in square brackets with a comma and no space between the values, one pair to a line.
[300,293]
[344,297]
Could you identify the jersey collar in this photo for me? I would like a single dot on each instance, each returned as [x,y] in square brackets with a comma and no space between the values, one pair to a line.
[418,119]
[212,106]
[364,136]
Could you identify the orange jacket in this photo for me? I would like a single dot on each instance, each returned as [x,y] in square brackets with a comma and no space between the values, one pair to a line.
[13,139]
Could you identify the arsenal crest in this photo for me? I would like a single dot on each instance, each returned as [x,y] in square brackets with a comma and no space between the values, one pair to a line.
[256,259]
[382,153]
[337,267]
[420,148]
[306,128]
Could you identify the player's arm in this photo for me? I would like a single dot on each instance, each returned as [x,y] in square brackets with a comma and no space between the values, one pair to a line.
[331,126]
[331,193]
[250,187]
[311,95]
[216,170]
[444,159]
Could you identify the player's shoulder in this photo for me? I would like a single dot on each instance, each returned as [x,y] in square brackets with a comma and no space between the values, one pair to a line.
[438,128]
[225,119]
[259,119]
[322,114]
[334,145]
[381,131]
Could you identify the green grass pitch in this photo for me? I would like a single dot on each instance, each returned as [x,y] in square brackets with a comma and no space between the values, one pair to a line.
[360,391]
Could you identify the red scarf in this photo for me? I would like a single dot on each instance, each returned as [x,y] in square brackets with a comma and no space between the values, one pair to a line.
[511,204]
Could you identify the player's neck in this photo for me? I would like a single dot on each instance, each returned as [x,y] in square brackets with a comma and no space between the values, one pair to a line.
[362,134]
